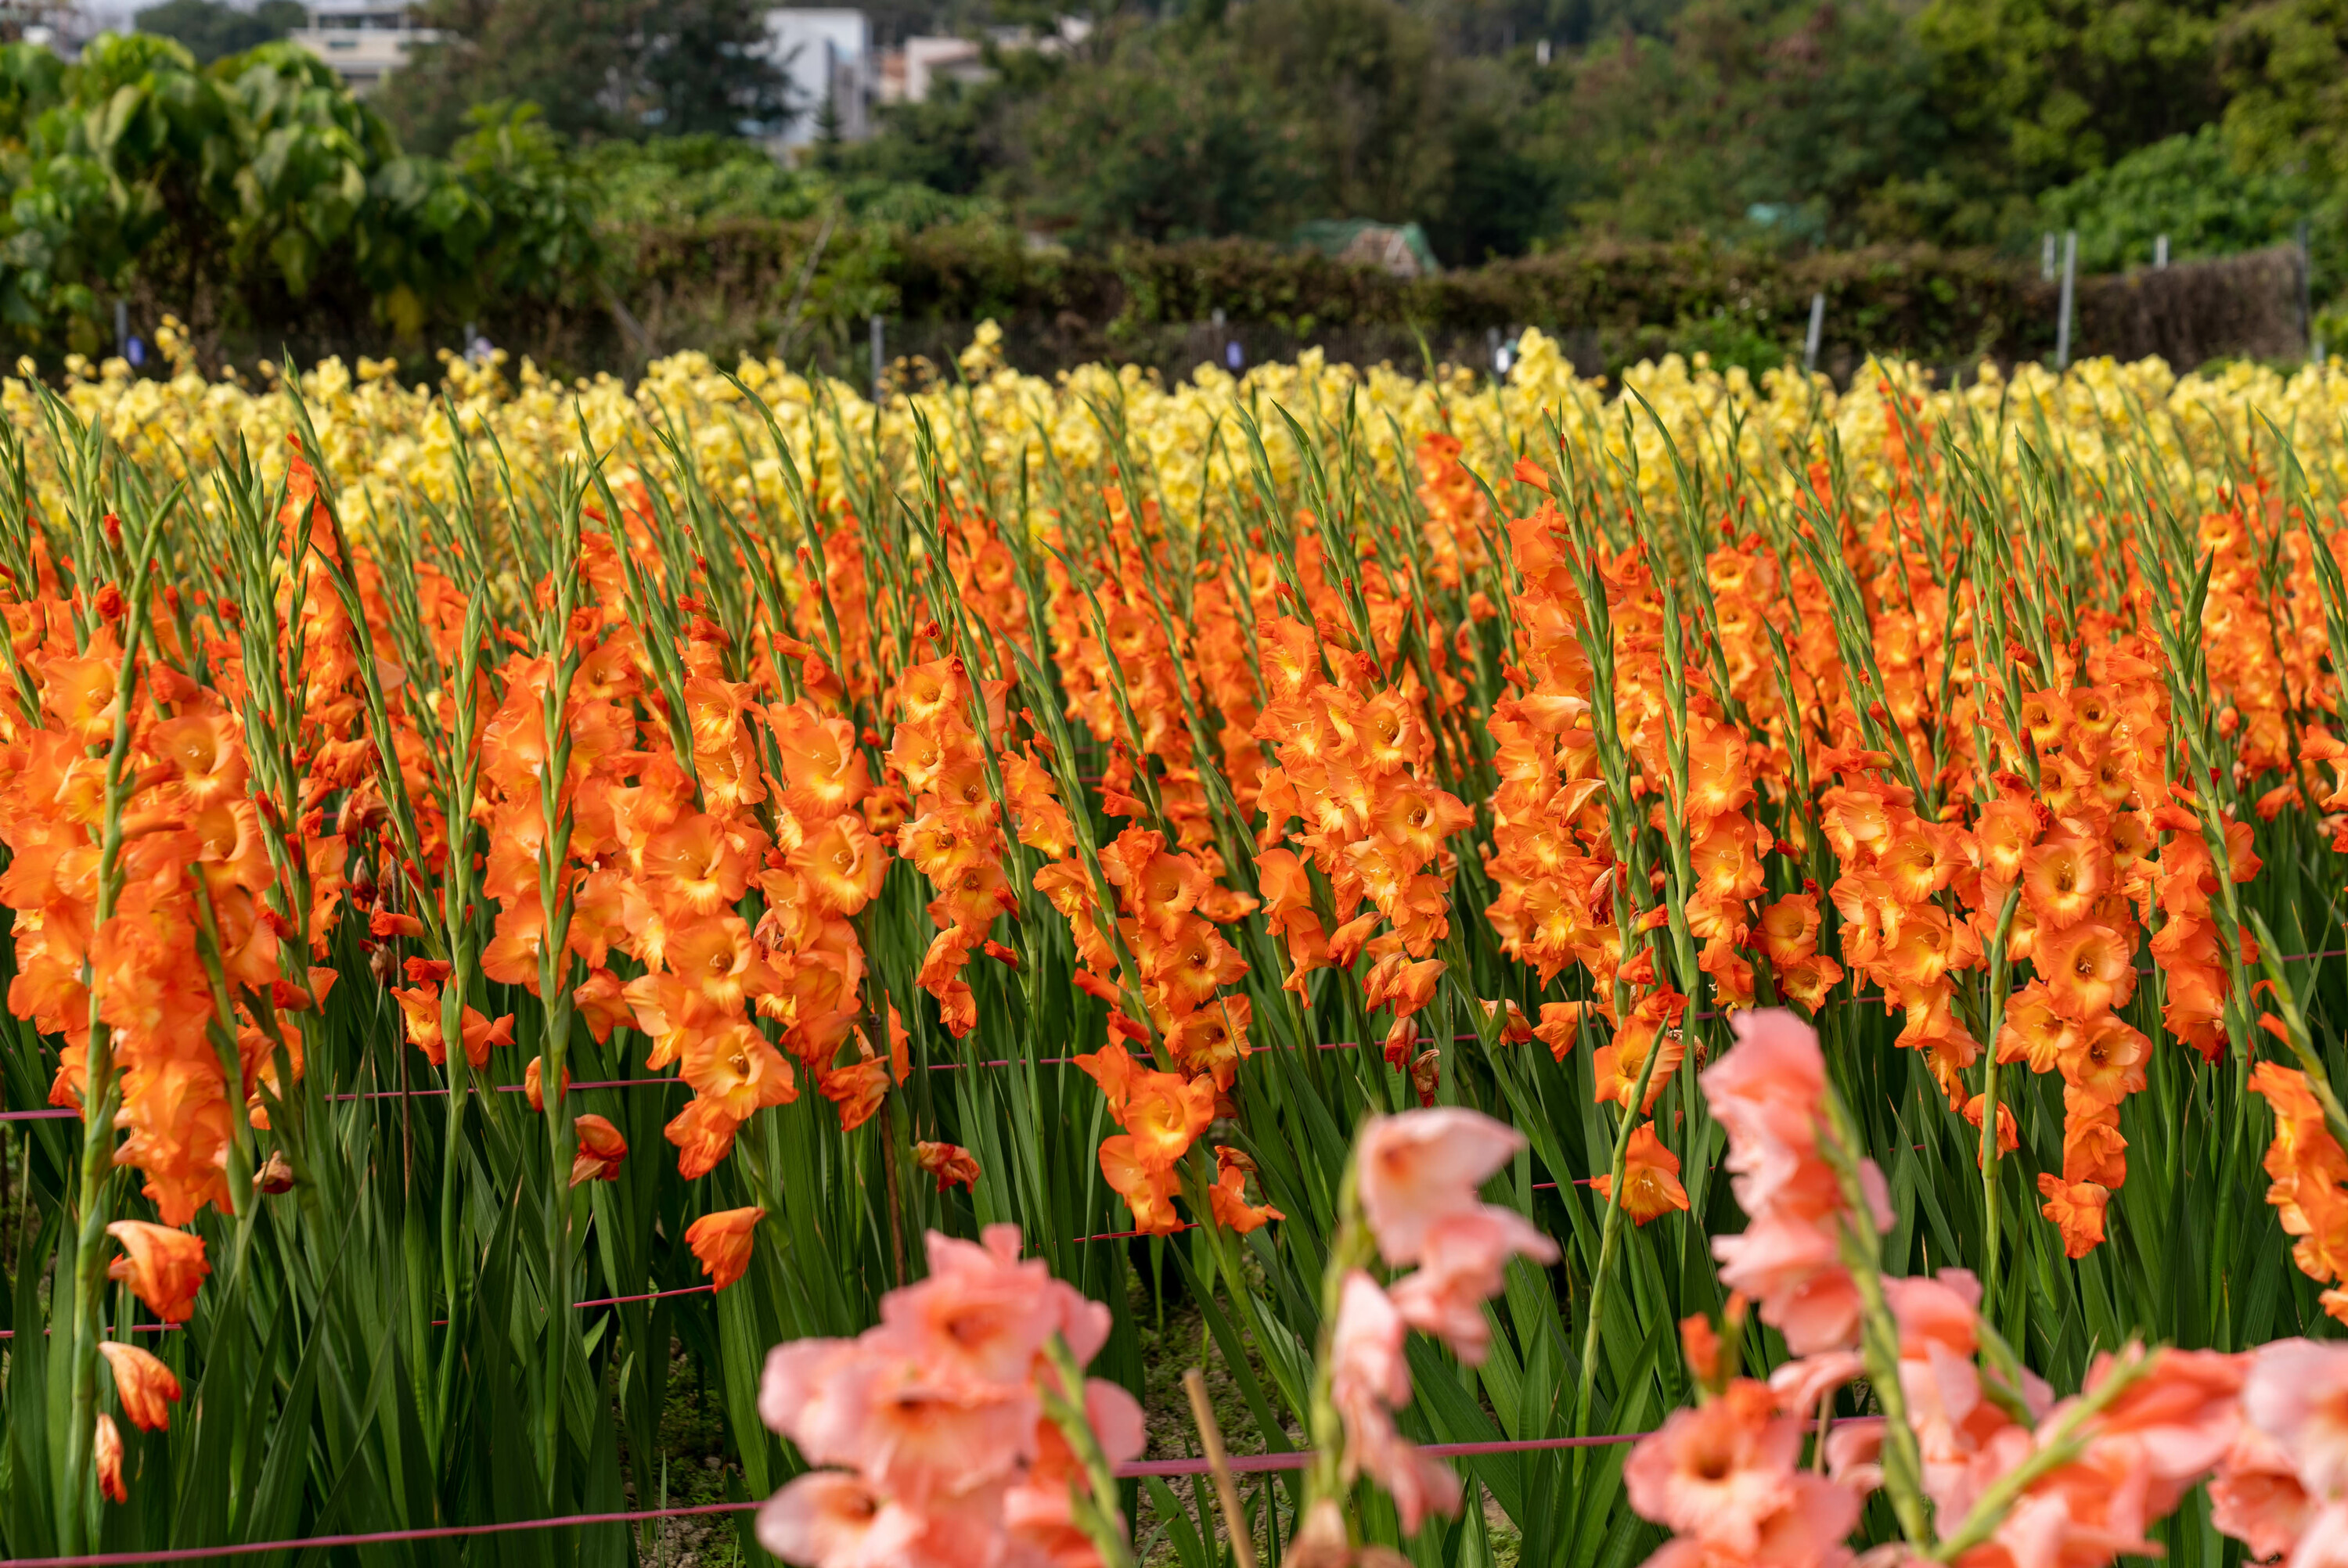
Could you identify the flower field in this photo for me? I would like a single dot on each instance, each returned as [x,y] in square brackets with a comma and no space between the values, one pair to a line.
[1803,927]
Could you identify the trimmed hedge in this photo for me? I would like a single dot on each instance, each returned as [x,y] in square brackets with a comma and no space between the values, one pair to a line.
[724,287]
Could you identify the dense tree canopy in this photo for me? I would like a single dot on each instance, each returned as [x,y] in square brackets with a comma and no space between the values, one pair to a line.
[210,29]
[593,67]
[1505,125]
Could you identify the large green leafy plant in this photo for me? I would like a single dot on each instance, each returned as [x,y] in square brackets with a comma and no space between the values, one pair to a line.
[258,191]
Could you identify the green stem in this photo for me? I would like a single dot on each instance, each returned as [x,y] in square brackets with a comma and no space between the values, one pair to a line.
[1092,1501]
[1989,1150]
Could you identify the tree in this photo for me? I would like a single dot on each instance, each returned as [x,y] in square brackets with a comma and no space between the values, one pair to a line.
[2047,90]
[1365,94]
[2188,187]
[1159,137]
[210,30]
[258,191]
[2287,62]
[595,68]
[1797,110]
[951,141]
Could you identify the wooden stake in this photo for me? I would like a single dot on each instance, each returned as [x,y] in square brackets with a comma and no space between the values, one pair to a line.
[1210,1439]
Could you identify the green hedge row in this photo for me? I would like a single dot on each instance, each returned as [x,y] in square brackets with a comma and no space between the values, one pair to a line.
[729,287]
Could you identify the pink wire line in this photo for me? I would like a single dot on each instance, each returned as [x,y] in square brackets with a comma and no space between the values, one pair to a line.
[437,1323]
[1240,1464]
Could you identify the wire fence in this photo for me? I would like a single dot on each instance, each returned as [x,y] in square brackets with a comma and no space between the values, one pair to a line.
[1135,1470]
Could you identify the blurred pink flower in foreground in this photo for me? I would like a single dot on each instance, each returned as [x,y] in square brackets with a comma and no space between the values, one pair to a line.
[936,1421]
[1416,1176]
[1769,1094]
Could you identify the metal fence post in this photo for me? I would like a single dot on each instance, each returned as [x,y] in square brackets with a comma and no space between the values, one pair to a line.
[2307,297]
[880,361]
[2160,250]
[1817,327]
[2063,316]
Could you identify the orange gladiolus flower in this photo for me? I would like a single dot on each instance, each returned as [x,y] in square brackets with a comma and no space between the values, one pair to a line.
[1147,1188]
[857,1089]
[733,1067]
[163,1267]
[1164,1113]
[703,1135]
[1214,1040]
[2034,1031]
[1616,1066]
[1651,1180]
[2077,1210]
[145,1387]
[698,864]
[949,1164]
[105,1454]
[1788,930]
[722,1242]
[2063,877]
[843,865]
[601,1150]
[2107,1062]
[533,1084]
[2088,969]
[1228,1196]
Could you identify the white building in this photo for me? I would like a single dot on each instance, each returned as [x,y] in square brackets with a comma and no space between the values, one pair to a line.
[908,75]
[826,56]
[364,40]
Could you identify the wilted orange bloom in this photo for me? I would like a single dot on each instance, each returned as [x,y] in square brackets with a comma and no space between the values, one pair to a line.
[1228,1196]
[145,1387]
[106,1454]
[703,1135]
[533,1086]
[949,1163]
[163,1267]
[722,1242]
[858,1088]
[601,1151]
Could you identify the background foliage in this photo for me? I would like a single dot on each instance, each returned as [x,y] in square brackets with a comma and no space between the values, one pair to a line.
[569,177]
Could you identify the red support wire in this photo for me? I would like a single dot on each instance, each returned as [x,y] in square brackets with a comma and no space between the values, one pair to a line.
[1240,1464]
[436,1323]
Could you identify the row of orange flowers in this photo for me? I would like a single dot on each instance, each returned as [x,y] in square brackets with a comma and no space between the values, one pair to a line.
[1817,748]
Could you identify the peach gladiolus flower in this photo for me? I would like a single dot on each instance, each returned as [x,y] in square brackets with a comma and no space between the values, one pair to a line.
[1419,1169]
[1717,1471]
[2297,1394]
[1369,1380]
[1461,1267]
[936,1421]
[984,1315]
[145,1387]
[163,1267]
[1769,1095]
[2257,1497]
[722,1242]
[830,1516]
